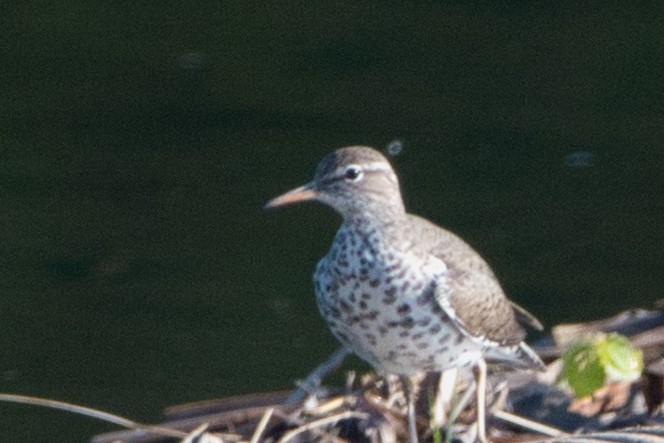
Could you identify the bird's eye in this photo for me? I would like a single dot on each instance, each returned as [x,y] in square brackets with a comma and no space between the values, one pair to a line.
[353,173]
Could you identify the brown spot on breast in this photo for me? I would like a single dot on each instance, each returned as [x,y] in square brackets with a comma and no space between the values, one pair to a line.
[388,300]
[391,267]
[422,299]
[407,322]
[403,309]
[424,322]
[390,295]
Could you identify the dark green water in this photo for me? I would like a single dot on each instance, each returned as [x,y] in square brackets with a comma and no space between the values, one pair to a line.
[138,143]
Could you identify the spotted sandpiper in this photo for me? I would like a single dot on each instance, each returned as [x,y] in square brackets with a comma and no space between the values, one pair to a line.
[407,296]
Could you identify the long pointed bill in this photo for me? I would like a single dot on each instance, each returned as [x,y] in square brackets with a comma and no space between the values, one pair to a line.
[303,193]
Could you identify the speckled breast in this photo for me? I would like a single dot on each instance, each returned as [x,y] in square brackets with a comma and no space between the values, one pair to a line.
[379,302]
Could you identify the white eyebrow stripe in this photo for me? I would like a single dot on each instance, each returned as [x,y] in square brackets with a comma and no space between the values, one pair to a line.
[377,166]
[372,167]
[381,167]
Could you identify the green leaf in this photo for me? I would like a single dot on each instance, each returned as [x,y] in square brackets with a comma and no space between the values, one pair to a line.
[622,361]
[582,369]
[592,362]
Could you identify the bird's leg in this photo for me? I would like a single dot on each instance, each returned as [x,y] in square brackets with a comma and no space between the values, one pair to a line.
[314,378]
[410,391]
[446,387]
[480,378]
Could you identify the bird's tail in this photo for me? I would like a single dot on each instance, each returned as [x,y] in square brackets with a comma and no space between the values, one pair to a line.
[519,356]
[529,358]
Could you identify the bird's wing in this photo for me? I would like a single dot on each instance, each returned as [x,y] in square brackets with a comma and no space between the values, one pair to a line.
[471,294]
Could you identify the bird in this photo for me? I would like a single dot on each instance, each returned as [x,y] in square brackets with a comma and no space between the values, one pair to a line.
[405,295]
